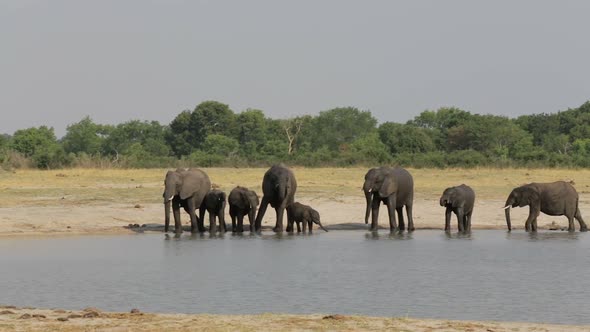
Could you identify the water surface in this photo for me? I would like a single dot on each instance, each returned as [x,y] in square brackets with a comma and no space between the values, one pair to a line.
[490,275]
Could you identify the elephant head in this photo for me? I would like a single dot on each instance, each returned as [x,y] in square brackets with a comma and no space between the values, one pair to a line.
[519,197]
[448,197]
[315,218]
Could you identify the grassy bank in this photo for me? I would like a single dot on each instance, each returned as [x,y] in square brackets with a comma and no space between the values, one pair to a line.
[105,186]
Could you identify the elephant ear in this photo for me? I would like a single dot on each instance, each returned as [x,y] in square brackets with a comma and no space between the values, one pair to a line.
[191,183]
[387,187]
[530,195]
[252,198]
[315,216]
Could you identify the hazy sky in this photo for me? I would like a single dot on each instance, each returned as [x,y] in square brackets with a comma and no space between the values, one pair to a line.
[121,60]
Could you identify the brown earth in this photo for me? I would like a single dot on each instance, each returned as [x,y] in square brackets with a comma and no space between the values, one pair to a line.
[92,319]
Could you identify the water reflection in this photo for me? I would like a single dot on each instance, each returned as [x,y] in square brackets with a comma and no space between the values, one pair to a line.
[397,235]
[544,236]
[458,235]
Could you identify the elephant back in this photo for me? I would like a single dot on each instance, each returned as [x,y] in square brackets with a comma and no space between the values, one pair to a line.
[194,181]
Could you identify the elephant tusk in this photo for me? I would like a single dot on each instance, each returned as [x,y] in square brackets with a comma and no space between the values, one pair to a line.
[506,207]
[169,199]
[370,190]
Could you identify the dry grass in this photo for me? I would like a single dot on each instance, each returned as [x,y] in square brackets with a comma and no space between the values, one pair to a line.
[100,186]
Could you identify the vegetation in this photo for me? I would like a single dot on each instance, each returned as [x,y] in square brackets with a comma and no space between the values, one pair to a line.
[214,135]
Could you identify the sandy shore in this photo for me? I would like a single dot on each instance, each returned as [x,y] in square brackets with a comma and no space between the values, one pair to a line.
[95,201]
[92,319]
[344,212]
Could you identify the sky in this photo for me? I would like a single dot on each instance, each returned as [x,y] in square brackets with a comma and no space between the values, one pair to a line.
[121,60]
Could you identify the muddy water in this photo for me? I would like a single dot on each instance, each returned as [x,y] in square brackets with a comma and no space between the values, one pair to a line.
[490,275]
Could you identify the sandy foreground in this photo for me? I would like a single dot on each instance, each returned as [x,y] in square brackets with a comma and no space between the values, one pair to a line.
[92,319]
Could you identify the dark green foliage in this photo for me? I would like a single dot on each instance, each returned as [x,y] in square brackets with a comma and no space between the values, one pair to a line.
[213,135]
[39,144]
[336,128]
[84,137]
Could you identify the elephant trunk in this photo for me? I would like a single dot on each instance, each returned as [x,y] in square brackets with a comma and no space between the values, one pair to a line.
[368,198]
[167,215]
[507,207]
[321,226]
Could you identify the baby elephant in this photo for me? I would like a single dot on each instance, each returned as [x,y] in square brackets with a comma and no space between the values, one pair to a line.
[297,212]
[459,199]
[214,202]
[242,201]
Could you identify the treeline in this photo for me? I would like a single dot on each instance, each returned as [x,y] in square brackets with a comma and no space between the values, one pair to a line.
[214,135]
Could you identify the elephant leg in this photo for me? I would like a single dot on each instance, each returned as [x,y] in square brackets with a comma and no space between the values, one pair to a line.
[240,223]
[448,212]
[410,216]
[212,228]
[191,211]
[290,222]
[176,213]
[279,225]
[400,217]
[260,214]
[304,222]
[233,223]
[222,225]
[571,227]
[375,214]
[533,213]
[578,216]
[201,220]
[467,225]
[391,211]
[460,217]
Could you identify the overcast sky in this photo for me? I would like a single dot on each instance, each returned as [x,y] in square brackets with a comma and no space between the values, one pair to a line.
[150,60]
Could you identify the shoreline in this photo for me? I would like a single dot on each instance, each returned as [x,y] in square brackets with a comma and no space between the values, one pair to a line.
[14,318]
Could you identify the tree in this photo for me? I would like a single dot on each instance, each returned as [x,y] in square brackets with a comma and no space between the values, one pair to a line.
[339,127]
[220,145]
[399,138]
[292,128]
[216,118]
[136,135]
[40,144]
[28,141]
[84,136]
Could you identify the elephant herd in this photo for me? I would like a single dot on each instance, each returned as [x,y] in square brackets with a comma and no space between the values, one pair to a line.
[392,186]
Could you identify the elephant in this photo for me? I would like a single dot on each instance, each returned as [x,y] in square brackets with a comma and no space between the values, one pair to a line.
[460,200]
[369,178]
[395,188]
[278,188]
[300,213]
[555,199]
[187,189]
[242,201]
[214,203]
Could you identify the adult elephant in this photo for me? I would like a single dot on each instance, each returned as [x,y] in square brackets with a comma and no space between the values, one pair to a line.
[555,199]
[460,200]
[242,201]
[278,189]
[395,188]
[187,189]
[370,178]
